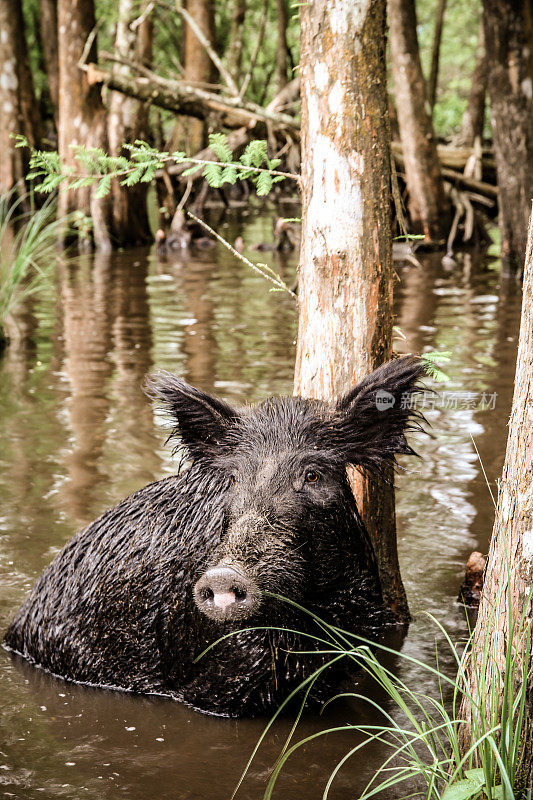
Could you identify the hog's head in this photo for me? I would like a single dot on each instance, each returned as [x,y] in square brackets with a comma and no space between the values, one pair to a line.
[290,522]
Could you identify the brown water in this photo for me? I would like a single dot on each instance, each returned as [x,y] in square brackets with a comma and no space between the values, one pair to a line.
[77,434]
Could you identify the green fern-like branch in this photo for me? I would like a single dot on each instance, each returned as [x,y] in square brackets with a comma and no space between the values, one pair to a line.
[141,165]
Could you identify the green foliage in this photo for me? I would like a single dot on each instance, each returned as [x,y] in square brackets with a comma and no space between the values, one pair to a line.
[27,249]
[218,142]
[457,57]
[431,363]
[213,175]
[264,184]
[495,247]
[98,168]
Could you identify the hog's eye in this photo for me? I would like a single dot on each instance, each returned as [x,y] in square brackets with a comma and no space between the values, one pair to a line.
[232,480]
[311,476]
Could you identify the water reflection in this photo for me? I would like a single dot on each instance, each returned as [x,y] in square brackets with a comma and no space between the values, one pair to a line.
[86,301]
[78,434]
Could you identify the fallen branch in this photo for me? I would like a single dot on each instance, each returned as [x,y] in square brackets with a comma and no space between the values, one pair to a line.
[239,137]
[182,98]
[480,187]
[457,178]
[456,157]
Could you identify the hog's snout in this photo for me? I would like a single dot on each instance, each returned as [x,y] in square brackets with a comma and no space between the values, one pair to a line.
[224,593]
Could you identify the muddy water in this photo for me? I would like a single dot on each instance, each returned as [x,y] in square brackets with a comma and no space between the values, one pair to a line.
[77,434]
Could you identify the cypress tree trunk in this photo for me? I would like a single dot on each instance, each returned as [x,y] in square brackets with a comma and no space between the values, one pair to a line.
[509,42]
[435,54]
[512,535]
[474,115]
[18,107]
[82,117]
[190,134]
[128,121]
[345,273]
[428,205]
[48,10]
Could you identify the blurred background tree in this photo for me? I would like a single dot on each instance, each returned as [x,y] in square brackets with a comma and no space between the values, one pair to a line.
[170,72]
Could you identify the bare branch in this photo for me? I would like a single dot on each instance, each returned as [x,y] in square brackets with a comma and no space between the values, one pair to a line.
[145,14]
[182,98]
[262,269]
[82,63]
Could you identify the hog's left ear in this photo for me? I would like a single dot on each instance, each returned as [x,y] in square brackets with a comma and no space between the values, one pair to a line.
[200,421]
[371,420]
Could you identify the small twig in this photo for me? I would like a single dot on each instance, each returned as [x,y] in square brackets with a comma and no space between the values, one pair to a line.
[209,87]
[177,65]
[185,197]
[484,473]
[459,211]
[281,152]
[277,280]
[256,51]
[127,62]
[82,63]
[168,184]
[400,216]
[213,55]
[146,13]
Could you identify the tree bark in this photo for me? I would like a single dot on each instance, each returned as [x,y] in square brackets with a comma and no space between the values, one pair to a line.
[509,41]
[190,134]
[11,159]
[345,272]
[473,120]
[435,54]
[128,121]
[509,572]
[428,205]
[82,117]
[28,101]
[19,112]
[281,48]
[49,41]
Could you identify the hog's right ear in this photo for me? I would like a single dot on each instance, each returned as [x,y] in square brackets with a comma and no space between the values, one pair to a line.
[373,418]
[199,420]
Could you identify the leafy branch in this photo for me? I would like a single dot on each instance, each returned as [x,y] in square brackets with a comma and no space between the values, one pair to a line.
[141,165]
[432,368]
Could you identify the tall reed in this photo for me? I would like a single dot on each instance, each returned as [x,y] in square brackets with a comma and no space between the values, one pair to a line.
[28,236]
[418,731]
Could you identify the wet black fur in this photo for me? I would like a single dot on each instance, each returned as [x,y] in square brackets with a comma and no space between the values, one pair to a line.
[115,608]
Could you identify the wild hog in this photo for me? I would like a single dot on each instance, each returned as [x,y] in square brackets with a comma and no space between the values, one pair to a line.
[262,507]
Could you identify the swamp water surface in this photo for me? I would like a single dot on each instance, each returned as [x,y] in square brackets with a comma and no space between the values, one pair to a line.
[77,435]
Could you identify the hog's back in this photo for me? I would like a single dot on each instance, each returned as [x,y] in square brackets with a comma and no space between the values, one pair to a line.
[99,613]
